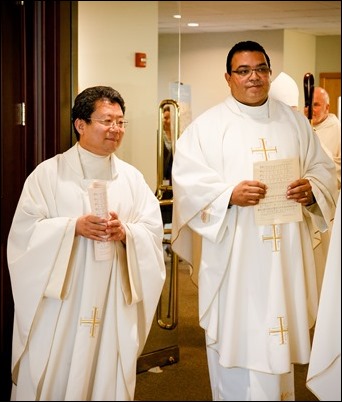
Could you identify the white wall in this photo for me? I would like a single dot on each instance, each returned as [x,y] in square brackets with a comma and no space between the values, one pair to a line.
[109,35]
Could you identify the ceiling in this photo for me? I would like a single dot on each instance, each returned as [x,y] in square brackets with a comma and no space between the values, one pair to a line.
[311,17]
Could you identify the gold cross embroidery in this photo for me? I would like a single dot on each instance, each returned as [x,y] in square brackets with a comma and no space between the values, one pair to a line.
[93,321]
[275,237]
[264,149]
[282,330]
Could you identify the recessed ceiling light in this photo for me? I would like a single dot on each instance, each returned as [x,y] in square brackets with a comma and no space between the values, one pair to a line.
[178,16]
[193,24]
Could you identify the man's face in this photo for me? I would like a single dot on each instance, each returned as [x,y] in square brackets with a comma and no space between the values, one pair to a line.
[166,120]
[99,137]
[252,86]
[320,108]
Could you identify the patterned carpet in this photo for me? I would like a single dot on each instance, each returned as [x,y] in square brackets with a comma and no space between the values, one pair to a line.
[188,379]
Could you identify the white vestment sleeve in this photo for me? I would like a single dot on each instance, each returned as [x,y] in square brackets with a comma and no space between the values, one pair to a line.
[57,286]
[36,242]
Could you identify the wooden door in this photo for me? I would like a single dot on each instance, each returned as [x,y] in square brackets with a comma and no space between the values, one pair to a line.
[331,82]
[37,89]
[13,165]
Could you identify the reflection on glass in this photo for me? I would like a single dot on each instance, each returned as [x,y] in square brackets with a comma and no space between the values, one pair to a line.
[167,149]
[167,137]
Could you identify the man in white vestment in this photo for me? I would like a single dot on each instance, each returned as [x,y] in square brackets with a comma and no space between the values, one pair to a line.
[86,263]
[257,283]
[327,126]
[324,373]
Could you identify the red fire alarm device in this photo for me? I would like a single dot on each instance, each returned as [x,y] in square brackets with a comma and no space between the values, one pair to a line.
[140,59]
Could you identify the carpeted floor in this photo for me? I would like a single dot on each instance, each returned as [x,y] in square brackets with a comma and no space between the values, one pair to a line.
[188,379]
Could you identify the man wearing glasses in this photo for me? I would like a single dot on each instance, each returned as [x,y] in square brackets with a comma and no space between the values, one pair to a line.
[256,275]
[86,262]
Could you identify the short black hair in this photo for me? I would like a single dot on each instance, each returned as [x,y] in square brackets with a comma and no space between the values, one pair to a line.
[242,47]
[85,101]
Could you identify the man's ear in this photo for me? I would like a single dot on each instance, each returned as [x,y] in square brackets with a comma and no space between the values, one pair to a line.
[79,124]
[227,77]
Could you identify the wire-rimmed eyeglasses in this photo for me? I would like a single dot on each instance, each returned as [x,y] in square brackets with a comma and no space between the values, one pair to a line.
[246,72]
[112,123]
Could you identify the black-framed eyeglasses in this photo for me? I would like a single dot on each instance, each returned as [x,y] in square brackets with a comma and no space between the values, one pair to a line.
[246,72]
[112,123]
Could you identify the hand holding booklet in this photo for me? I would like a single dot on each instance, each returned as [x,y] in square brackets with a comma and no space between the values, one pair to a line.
[99,206]
[275,208]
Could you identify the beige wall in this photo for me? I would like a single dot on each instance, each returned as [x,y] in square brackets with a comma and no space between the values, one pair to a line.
[299,58]
[111,32]
[203,58]
[328,50]
[109,35]
[203,63]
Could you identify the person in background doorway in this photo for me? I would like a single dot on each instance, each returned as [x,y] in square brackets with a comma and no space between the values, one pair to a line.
[257,284]
[327,127]
[85,284]
[168,153]
[166,208]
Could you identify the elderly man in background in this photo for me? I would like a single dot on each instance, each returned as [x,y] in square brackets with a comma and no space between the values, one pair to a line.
[327,127]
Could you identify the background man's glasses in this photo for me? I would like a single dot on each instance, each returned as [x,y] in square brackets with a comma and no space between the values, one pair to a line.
[246,72]
[112,123]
